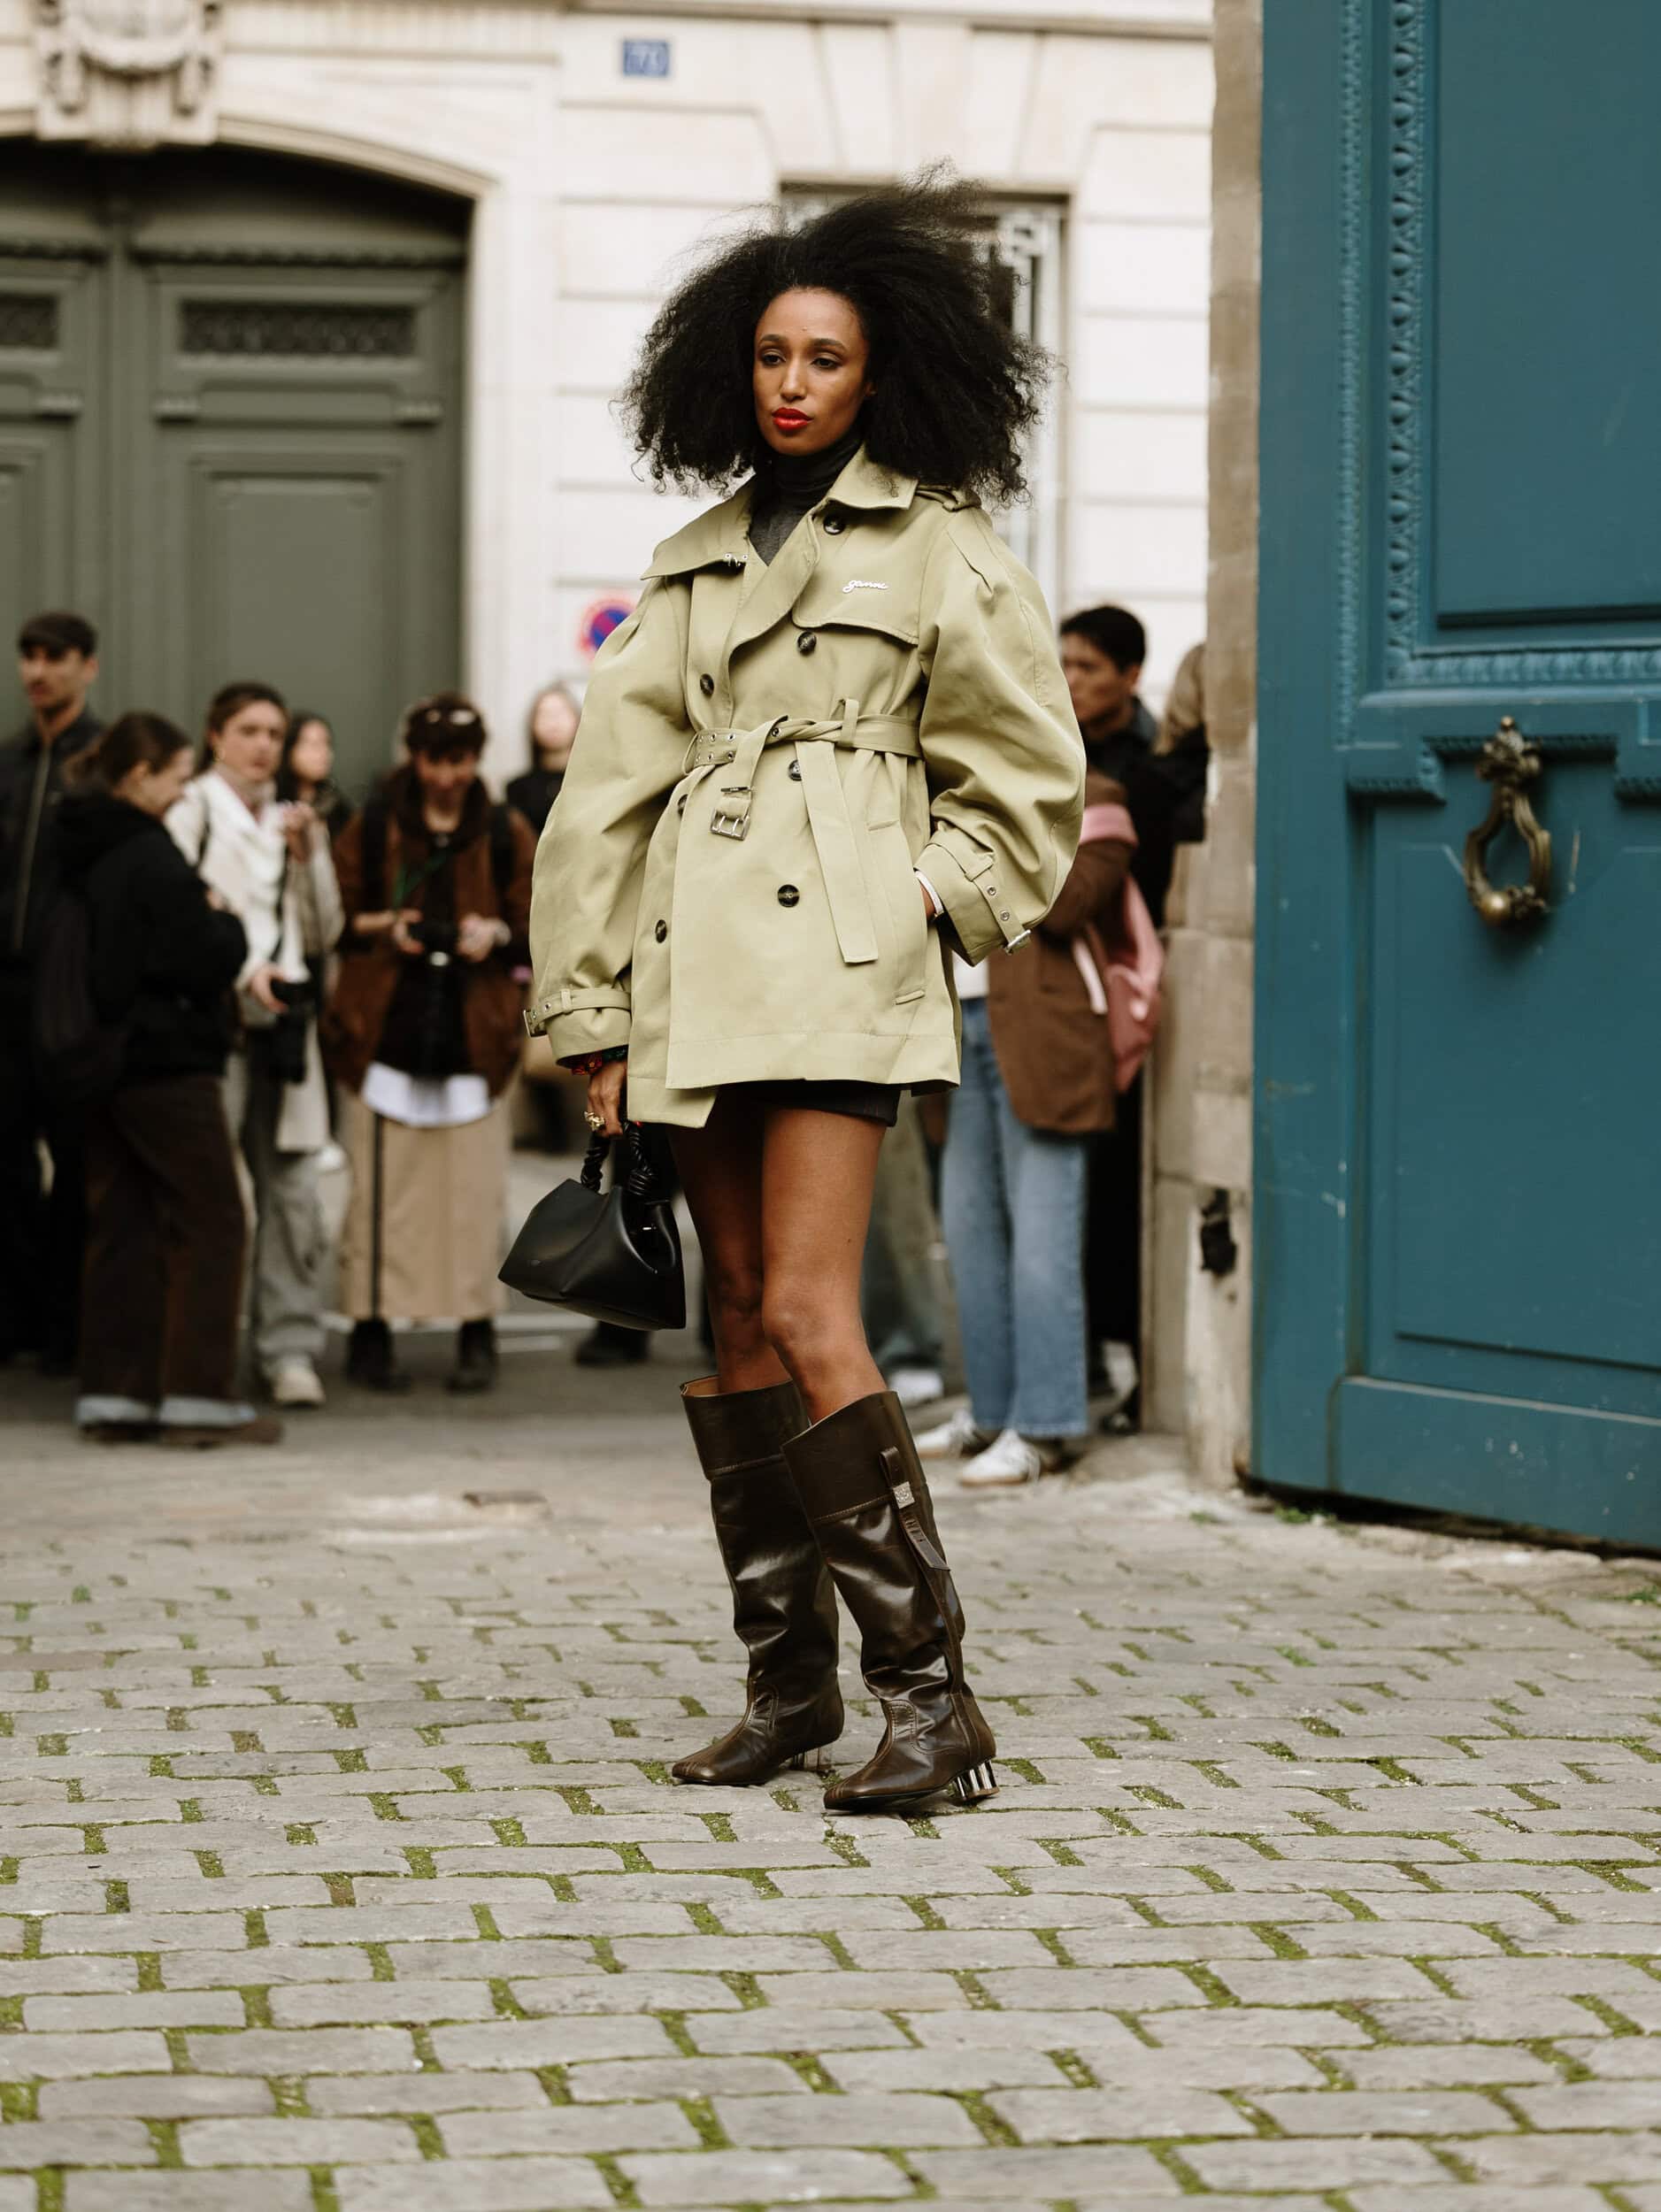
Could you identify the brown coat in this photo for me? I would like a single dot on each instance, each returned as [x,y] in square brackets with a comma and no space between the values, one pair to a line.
[370,967]
[1053,1053]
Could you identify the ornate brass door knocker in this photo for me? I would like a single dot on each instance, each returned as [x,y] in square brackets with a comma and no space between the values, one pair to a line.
[1512,766]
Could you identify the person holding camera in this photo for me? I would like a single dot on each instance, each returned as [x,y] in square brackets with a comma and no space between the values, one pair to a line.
[269,862]
[422,1032]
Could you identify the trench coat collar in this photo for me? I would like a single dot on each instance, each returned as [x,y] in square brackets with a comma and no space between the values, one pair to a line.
[721,536]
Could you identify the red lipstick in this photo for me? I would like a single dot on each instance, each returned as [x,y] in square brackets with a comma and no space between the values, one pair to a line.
[789,418]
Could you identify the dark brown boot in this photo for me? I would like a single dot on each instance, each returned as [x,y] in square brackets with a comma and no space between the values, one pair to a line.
[784,1607]
[862,1486]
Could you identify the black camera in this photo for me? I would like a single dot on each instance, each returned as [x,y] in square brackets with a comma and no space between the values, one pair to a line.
[435,937]
[293,996]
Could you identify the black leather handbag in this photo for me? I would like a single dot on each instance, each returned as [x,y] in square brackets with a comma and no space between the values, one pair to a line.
[614,1254]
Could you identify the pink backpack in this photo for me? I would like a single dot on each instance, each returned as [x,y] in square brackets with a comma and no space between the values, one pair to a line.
[1124,978]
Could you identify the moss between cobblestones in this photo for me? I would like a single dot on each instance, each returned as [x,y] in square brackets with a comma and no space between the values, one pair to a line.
[18,2100]
[164,2135]
[1073,2069]
[1170,2156]
[325,2196]
[1617,2023]
[257,2008]
[674,2026]
[49,2189]
[623,2190]
[428,2141]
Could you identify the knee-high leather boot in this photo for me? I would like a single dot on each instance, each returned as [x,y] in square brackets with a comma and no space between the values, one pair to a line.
[862,1486]
[784,1607]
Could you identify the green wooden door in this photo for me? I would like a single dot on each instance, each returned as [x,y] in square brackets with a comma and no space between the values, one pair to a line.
[1459,1297]
[230,427]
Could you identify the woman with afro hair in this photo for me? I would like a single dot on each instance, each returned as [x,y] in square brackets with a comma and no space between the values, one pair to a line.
[831,747]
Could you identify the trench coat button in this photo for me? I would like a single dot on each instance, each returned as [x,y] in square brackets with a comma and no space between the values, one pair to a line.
[661,932]
[787,894]
[835,525]
[796,771]
[706,685]
[808,642]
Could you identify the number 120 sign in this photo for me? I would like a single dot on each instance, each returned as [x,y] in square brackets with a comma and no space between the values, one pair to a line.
[645,57]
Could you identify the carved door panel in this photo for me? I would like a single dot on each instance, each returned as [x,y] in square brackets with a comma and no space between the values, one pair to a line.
[1459,1177]
[300,457]
[52,427]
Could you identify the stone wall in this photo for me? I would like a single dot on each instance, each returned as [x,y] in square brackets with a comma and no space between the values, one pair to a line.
[1200,1379]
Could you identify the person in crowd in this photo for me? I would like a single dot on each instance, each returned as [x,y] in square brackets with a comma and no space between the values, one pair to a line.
[1103,650]
[423,1034]
[41,1240]
[166,1228]
[552,732]
[1182,748]
[1039,1082]
[898,1293]
[305,774]
[268,860]
[832,739]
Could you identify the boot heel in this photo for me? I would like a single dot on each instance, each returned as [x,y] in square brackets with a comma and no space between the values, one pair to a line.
[819,1761]
[973,1788]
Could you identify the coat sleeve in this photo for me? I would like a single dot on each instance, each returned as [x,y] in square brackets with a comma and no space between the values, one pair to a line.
[591,855]
[190,946]
[1091,892]
[1001,749]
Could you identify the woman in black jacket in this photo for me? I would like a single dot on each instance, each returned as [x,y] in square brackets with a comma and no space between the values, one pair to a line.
[167,1230]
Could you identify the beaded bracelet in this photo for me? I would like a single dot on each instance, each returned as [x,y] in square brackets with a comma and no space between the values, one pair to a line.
[591,1063]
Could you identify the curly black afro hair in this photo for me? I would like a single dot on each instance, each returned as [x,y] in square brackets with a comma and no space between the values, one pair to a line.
[955,388]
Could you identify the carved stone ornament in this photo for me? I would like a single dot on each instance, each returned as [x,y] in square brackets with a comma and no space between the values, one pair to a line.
[129,72]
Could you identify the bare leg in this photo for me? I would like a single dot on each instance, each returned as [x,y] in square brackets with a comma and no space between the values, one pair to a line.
[817,1173]
[720,1168]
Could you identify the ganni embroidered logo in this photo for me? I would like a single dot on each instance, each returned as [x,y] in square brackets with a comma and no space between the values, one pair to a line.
[861,583]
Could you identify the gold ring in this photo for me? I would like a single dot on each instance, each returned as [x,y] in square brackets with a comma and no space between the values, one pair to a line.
[594,1121]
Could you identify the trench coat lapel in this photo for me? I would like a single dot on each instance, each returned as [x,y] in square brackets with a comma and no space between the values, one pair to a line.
[773,594]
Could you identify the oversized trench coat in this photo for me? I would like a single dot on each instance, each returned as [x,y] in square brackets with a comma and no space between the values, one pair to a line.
[767,757]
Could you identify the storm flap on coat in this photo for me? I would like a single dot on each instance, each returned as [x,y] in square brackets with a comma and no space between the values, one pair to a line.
[766,756]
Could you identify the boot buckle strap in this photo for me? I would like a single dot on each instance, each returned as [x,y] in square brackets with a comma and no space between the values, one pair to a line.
[905,1504]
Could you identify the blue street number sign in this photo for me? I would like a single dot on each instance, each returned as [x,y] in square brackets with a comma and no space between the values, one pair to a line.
[646,56]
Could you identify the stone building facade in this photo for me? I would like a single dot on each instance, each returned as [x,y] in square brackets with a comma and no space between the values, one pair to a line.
[594,146]
[585,148]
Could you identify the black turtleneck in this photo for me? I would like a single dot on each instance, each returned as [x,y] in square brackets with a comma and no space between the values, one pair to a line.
[789,486]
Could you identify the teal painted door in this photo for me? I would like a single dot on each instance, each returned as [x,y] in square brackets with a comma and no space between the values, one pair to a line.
[1459,1126]
[230,427]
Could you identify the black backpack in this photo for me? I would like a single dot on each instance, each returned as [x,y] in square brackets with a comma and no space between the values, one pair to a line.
[79,1055]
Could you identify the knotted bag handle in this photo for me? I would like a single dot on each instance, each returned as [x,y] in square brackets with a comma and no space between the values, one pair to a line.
[638,1177]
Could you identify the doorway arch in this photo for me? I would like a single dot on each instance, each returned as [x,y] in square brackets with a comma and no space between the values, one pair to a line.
[232,385]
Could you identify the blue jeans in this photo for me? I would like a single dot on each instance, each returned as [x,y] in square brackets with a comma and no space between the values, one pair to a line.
[1012,1205]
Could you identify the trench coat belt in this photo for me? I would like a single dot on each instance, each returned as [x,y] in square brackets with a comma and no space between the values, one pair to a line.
[836,841]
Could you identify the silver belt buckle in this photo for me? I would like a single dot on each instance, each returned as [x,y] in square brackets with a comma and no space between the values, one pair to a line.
[733,820]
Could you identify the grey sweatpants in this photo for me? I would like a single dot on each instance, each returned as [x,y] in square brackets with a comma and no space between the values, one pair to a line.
[285,1281]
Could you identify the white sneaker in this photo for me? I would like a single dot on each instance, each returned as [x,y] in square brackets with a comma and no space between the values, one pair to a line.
[294,1382]
[1007,1461]
[955,1438]
[917,1385]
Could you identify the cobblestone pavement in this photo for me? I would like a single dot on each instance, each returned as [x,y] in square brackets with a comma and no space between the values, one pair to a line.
[342,1870]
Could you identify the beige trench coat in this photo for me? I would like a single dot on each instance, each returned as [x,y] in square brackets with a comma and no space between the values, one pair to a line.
[767,755]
